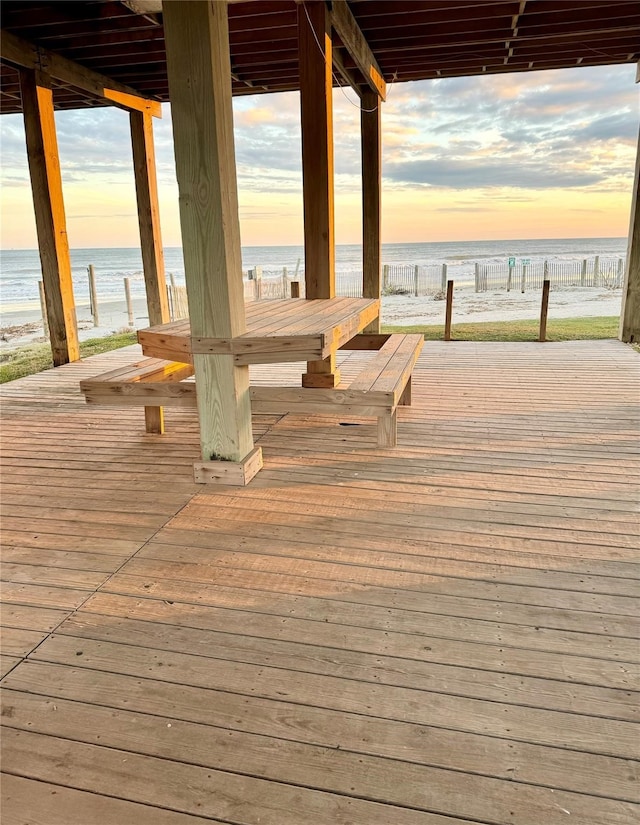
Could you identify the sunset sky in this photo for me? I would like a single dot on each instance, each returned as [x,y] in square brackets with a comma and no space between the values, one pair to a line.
[536,155]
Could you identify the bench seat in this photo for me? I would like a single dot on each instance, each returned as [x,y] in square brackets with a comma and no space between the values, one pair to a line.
[383,384]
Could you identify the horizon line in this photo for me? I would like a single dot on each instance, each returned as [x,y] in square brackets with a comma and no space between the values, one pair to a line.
[384,243]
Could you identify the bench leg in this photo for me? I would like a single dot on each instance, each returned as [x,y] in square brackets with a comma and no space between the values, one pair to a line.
[405,398]
[388,430]
[154,420]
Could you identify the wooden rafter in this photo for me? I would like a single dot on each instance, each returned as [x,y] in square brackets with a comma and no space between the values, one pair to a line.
[26,55]
[344,23]
[346,74]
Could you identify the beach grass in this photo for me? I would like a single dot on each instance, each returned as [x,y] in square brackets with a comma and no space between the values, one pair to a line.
[558,329]
[33,358]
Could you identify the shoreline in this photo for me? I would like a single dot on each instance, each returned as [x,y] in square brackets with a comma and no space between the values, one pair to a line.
[21,328]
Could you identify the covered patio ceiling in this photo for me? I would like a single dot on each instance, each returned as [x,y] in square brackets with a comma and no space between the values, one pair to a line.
[411,40]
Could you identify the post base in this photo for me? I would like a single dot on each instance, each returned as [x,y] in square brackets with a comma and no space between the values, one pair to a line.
[321,379]
[234,473]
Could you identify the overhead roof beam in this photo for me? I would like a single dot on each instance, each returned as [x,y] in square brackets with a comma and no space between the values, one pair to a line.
[346,74]
[27,55]
[344,23]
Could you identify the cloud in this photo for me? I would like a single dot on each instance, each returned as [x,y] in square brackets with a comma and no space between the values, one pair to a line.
[487,173]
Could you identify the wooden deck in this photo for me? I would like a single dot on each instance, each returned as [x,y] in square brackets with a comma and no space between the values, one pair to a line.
[438,634]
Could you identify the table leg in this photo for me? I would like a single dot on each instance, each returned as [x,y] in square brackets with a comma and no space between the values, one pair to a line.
[154,420]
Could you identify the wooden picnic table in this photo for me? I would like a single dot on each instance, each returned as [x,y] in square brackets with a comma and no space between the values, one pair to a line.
[279,331]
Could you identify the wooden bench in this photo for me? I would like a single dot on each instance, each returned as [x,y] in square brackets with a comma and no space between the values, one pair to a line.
[152,383]
[383,384]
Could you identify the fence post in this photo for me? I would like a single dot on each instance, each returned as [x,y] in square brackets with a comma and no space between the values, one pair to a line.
[444,277]
[43,309]
[295,289]
[509,277]
[172,278]
[385,276]
[170,289]
[127,295]
[620,273]
[416,271]
[546,284]
[477,277]
[255,275]
[596,270]
[93,295]
[525,267]
[545,276]
[285,282]
[448,311]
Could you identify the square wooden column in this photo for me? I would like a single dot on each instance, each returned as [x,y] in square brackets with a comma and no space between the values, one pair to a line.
[371,145]
[316,110]
[630,318]
[199,71]
[46,187]
[144,168]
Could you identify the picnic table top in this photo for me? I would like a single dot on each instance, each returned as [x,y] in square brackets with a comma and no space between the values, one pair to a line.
[293,329]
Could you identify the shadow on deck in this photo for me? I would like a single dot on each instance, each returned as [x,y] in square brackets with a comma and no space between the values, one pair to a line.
[441,633]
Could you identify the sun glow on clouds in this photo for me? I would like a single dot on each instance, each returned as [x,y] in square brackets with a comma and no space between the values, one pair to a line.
[510,156]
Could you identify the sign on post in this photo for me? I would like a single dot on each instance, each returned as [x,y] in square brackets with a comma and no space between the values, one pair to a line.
[512,261]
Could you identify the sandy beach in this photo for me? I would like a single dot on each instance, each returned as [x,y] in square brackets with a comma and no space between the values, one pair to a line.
[25,327]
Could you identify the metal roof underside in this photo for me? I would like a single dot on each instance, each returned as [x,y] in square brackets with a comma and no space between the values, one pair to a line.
[412,40]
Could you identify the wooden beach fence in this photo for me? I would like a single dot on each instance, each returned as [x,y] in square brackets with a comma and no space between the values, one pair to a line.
[178,303]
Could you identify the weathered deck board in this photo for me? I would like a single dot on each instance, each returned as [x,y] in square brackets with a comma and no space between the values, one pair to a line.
[441,633]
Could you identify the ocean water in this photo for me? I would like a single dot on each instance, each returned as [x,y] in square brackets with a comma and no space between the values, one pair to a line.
[20,269]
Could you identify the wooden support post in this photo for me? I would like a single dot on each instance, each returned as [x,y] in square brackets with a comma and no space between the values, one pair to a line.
[476,272]
[371,146]
[316,89]
[385,276]
[630,317]
[448,311]
[285,282]
[509,278]
[544,308]
[295,289]
[127,295]
[43,310]
[316,81]
[416,277]
[199,72]
[583,273]
[46,186]
[172,279]
[596,270]
[93,295]
[523,285]
[444,277]
[144,166]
